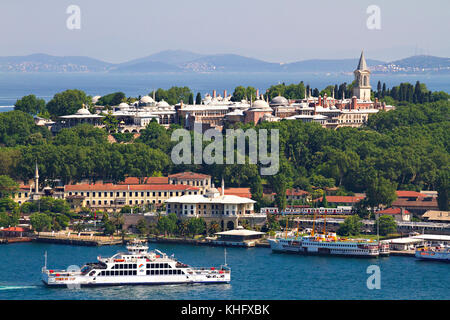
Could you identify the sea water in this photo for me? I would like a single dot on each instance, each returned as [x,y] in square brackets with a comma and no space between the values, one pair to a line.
[13,86]
[257,273]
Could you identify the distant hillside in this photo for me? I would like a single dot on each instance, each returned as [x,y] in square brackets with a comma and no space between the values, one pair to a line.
[173,57]
[230,63]
[317,65]
[416,64]
[146,67]
[186,61]
[46,63]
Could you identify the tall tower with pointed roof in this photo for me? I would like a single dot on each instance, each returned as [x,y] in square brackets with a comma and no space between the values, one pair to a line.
[362,89]
[36,179]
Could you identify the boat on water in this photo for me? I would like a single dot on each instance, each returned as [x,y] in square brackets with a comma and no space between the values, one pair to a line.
[326,244]
[440,253]
[138,266]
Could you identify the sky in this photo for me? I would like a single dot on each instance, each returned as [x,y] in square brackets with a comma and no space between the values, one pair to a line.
[272,30]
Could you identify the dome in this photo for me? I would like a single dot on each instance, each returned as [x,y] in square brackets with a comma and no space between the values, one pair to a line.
[146,99]
[162,103]
[261,104]
[123,105]
[83,112]
[279,101]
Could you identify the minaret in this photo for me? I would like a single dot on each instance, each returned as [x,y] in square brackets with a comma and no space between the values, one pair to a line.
[362,76]
[223,187]
[36,179]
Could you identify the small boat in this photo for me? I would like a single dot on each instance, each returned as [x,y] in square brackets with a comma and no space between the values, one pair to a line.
[438,253]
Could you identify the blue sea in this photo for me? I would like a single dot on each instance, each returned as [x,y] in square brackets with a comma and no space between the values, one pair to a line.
[13,86]
[257,273]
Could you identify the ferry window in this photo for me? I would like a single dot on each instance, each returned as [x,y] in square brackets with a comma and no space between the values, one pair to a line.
[134,266]
[152,272]
[116,273]
[148,266]
[134,272]
[166,271]
[121,272]
[148,272]
[166,265]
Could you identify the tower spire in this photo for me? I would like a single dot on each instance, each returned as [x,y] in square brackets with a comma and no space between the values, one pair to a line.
[362,65]
[36,178]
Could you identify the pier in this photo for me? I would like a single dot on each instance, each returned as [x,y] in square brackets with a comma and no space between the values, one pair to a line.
[76,239]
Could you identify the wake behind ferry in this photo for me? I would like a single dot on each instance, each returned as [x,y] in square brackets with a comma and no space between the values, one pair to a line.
[135,267]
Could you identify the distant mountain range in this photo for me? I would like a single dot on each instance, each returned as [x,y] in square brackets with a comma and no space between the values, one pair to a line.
[186,61]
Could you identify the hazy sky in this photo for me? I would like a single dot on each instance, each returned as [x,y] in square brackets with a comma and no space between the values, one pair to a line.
[272,30]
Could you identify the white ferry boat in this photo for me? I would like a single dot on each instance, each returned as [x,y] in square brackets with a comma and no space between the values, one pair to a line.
[441,253]
[136,267]
[326,244]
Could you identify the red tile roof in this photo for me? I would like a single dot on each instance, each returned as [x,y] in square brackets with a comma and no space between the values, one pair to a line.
[240,192]
[146,180]
[409,194]
[15,229]
[189,175]
[123,187]
[392,211]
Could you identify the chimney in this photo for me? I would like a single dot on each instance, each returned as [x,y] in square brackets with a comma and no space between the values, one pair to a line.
[214,93]
[325,100]
[354,104]
[376,103]
[225,94]
[257,93]
[320,100]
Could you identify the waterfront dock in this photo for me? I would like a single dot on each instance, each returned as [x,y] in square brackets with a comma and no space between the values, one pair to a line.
[75,239]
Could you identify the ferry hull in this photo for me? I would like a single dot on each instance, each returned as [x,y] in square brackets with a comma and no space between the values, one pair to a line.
[433,256]
[278,247]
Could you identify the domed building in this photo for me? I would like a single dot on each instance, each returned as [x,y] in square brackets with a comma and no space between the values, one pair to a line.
[162,103]
[281,107]
[81,116]
[256,112]
[146,101]
[279,101]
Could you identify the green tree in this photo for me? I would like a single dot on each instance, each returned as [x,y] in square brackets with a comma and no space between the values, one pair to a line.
[7,186]
[30,104]
[387,225]
[142,226]
[198,98]
[351,226]
[40,221]
[67,102]
[380,192]
[443,187]
[196,226]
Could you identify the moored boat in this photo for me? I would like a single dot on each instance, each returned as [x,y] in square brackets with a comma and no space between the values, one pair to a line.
[439,253]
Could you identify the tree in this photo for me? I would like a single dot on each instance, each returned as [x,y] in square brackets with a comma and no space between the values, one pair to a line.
[198,98]
[443,187]
[142,226]
[351,226]
[67,102]
[111,123]
[112,99]
[40,221]
[214,227]
[387,225]
[7,186]
[380,192]
[196,226]
[30,104]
